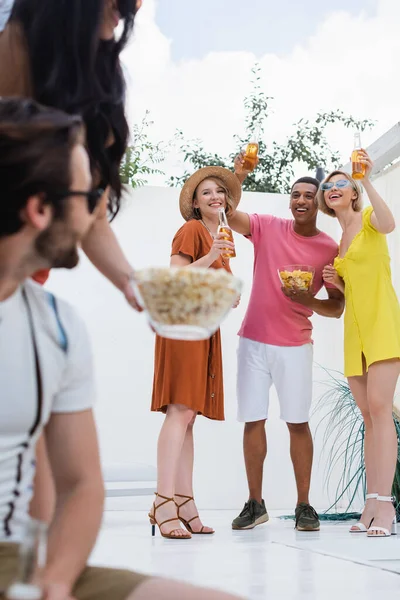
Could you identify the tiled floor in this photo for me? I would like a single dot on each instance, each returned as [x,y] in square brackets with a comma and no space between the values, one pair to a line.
[271,561]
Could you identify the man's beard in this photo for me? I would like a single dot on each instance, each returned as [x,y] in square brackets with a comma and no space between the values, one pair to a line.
[58,246]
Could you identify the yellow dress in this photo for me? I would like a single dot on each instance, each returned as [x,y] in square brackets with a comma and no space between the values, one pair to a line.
[372,315]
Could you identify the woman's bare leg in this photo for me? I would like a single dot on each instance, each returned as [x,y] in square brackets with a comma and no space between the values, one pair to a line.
[44,496]
[170,444]
[358,387]
[382,380]
[184,480]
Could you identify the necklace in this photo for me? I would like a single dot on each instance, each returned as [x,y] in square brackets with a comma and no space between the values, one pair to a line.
[208,229]
[213,237]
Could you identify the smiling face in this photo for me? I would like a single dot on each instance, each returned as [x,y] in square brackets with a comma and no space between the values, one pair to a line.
[303,203]
[210,195]
[342,194]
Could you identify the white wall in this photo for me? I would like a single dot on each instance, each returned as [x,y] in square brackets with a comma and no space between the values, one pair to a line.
[123,349]
[388,185]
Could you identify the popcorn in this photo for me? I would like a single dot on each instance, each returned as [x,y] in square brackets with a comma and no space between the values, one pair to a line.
[187,296]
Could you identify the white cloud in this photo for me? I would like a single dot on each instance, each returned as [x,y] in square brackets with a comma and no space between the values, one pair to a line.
[350,63]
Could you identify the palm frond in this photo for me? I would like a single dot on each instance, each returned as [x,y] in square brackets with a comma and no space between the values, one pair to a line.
[343,441]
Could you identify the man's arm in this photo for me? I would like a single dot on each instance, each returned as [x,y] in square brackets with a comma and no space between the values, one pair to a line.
[240,222]
[44,497]
[74,457]
[333,306]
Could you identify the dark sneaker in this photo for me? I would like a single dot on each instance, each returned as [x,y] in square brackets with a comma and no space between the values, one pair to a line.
[252,514]
[306,518]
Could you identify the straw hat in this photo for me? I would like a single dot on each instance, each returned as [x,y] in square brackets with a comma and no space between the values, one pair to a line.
[188,190]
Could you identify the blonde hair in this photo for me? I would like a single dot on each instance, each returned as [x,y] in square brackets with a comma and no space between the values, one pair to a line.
[357,203]
[228,197]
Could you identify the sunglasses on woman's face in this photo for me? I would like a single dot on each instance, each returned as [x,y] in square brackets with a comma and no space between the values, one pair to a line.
[328,185]
[93,197]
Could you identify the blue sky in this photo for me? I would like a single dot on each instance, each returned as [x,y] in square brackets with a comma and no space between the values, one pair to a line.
[172,73]
[259,26]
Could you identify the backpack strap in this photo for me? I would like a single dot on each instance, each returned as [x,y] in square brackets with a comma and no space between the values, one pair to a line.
[62,335]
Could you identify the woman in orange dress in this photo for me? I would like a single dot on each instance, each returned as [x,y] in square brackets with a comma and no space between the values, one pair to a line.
[188,375]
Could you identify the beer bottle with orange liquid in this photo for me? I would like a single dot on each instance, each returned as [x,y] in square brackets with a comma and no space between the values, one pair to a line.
[251,152]
[357,167]
[226,231]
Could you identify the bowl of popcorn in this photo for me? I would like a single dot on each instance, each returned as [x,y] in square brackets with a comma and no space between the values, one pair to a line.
[296,278]
[186,303]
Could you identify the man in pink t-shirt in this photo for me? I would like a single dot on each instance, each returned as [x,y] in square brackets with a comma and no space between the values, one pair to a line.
[275,346]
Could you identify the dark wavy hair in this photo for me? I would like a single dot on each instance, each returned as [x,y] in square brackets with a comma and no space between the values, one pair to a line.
[73,70]
[35,153]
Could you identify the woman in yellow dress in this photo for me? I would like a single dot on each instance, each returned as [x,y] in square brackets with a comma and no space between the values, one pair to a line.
[371,331]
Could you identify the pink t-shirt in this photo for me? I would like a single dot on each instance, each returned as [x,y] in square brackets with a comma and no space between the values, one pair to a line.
[271,317]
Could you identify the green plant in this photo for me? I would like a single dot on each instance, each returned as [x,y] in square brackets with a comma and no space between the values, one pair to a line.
[308,145]
[343,441]
[141,158]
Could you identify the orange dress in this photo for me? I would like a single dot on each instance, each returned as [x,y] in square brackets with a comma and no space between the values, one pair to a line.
[190,373]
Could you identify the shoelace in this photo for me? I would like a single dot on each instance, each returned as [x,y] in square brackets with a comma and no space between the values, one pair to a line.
[307,511]
[248,507]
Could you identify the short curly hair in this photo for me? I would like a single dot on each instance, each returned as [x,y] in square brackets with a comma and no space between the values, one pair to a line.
[357,202]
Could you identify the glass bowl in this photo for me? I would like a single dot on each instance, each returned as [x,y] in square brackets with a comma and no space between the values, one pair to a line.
[186,303]
[298,278]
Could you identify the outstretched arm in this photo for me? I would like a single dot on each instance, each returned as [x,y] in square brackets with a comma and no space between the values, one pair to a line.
[240,222]
[382,218]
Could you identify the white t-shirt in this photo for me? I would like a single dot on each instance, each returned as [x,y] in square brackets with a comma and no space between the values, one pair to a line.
[66,377]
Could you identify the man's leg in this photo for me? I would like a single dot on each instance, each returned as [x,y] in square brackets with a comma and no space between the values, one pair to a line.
[119,584]
[255,452]
[301,453]
[292,376]
[253,384]
[165,589]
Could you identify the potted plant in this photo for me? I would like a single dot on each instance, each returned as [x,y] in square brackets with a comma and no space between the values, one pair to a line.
[343,442]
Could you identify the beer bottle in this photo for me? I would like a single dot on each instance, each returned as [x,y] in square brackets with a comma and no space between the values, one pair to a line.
[226,232]
[357,167]
[32,561]
[251,152]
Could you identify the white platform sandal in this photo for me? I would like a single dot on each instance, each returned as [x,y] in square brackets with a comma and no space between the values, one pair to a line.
[360,527]
[383,532]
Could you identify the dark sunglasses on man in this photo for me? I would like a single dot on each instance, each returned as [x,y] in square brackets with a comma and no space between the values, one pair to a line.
[93,197]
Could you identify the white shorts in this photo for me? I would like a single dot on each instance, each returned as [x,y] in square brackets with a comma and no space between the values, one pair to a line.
[289,368]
